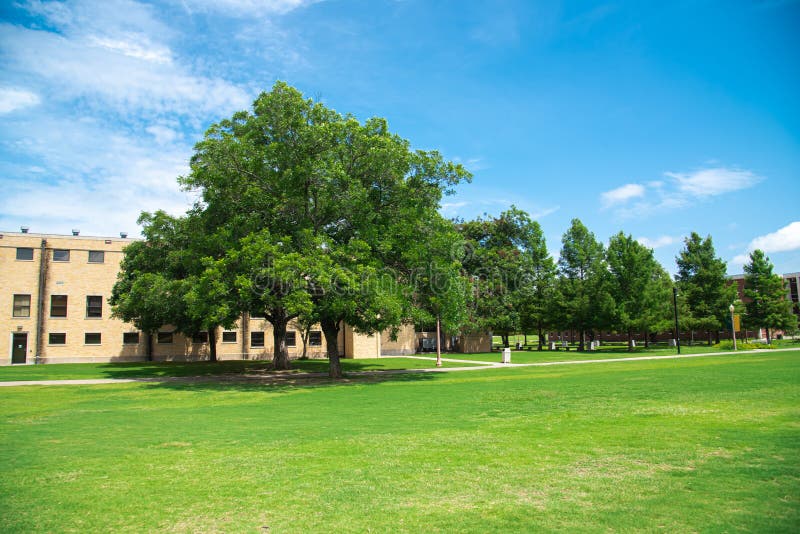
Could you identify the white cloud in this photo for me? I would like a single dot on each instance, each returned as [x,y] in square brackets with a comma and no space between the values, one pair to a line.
[658,242]
[98,187]
[135,46]
[162,134]
[14,99]
[680,190]
[126,76]
[247,7]
[715,181]
[782,240]
[621,194]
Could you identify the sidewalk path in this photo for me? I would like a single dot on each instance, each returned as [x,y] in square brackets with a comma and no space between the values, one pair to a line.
[288,377]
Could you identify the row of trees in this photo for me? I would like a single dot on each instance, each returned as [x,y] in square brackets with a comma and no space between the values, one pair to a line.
[518,287]
[310,216]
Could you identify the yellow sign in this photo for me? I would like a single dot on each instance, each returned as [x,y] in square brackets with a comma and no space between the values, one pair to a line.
[737,324]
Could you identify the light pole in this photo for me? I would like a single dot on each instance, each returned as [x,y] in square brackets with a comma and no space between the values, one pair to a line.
[733,326]
[675,305]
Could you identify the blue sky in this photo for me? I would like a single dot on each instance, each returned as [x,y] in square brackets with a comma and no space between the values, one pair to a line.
[654,118]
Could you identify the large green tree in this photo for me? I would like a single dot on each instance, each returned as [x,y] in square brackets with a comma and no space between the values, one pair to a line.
[765,302]
[639,285]
[499,263]
[703,284]
[158,282]
[584,293]
[294,181]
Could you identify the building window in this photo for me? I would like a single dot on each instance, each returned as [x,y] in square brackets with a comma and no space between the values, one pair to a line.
[91,338]
[256,339]
[200,337]
[58,305]
[59,338]
[315,339]
[130,338]
[165,337]
[60,254]
[94,306]
[291,338]
[97,256]
[229,337]
[25,254]
[22,306]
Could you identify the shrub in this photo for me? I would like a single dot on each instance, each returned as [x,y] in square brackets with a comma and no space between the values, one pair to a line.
[727,344]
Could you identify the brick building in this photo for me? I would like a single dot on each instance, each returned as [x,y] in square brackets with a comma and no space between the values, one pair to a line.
[54,292]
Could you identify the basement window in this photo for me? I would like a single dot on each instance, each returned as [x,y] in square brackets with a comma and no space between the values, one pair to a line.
[92,338]
[200,337]
[130,338]
[315,338]
[229,337]
[256,339]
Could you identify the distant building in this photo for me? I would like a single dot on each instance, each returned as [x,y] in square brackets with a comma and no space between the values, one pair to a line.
[54,292]
[792,281]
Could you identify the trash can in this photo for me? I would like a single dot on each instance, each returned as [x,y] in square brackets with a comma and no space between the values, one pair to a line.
[506,355]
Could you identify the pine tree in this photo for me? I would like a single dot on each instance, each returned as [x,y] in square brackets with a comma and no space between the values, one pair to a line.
[702,282]
[586,301]
[766,305]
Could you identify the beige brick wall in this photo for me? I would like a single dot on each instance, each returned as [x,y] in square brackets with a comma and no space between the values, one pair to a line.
[404,344]
[78,278]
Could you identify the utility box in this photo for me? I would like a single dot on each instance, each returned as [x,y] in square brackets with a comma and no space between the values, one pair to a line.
[506,355]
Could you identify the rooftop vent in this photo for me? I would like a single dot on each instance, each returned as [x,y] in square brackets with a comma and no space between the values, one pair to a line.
[123,235]
[75,231]
[24,229]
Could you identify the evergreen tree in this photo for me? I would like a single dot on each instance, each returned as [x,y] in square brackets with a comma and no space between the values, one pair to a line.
[538,284]
[584,289]
[639,285]
[703,284]
[766,304]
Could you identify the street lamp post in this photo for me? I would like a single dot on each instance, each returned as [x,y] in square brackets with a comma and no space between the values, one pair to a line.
[733,326]
[675,305]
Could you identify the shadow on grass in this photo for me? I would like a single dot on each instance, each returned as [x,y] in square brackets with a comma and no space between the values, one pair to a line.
[284,382]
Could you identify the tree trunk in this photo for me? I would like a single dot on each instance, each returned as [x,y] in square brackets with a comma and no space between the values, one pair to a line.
[280,354]
[525,337]
[716,337]
[331,330]
[630,340]
[438,344]
[646,339]
[504,337]
[212,344]
[540,336]
[769,340]
[582,341]
[149,354]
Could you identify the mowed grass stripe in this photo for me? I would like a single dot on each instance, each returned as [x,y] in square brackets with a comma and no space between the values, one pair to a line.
[701,444]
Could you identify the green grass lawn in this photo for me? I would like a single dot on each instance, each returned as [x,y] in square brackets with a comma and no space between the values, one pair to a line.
[72,371]
[604,352]
[707,444]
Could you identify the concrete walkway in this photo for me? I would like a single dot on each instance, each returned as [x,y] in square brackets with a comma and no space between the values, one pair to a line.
[289,377]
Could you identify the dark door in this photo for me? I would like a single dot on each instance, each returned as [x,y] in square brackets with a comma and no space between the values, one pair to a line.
[20,348]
